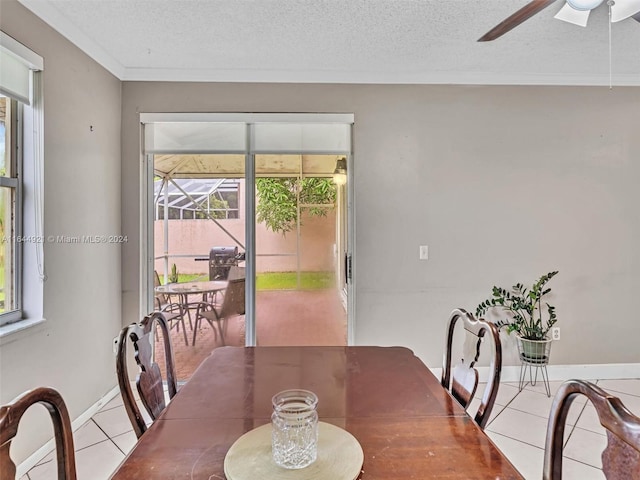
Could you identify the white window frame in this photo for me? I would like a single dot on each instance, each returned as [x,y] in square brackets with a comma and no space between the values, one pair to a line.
[29,251]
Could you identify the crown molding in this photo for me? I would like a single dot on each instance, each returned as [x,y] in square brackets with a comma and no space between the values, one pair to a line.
[368,77]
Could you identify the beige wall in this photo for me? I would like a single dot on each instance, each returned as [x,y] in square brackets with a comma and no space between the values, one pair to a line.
[503,184]
[72,351]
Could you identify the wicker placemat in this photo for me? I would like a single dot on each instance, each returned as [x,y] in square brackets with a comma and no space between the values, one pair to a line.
[340,457]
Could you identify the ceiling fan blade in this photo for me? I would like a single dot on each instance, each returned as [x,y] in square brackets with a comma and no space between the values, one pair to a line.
[526,12]
[571,15]
[622,10]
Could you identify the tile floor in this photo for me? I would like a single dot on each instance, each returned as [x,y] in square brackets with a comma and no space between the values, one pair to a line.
[517,426]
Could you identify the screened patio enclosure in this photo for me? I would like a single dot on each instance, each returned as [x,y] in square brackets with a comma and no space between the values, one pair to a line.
[212,188]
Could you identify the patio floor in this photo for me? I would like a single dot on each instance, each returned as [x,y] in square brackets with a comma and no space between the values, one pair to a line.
[284,317]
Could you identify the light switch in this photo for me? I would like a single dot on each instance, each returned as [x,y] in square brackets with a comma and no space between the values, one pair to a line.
[424,252]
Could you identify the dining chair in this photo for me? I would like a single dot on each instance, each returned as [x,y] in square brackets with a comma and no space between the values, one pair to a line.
[149,379]
[232,305]
[462,379]
[10,416]
[621,457]
[173,312]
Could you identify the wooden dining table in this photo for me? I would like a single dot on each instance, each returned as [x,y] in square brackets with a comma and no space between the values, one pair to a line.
[408,425]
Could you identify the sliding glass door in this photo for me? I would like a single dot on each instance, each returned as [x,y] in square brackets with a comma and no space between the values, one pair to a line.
[260,197]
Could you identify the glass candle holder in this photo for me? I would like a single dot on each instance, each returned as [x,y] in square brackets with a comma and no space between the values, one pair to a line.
[294,437]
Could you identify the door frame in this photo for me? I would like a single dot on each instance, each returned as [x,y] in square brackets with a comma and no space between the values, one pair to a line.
[146,203]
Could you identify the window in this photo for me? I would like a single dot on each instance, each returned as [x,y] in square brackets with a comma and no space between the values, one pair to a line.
[21,239]
[10,232]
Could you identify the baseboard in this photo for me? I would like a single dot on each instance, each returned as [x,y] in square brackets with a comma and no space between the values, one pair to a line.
[43,451]
[608,371]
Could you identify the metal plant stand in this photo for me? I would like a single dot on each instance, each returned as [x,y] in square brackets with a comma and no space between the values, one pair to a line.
[534,354]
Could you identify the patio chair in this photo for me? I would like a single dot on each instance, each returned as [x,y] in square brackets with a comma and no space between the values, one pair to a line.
[232,305]
[10,416]
[462,380]
[621,457]
[173,312]
[149,379]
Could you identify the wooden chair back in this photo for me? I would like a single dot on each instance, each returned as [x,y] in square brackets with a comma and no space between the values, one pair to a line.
[10,416]
[149,378]
[234,299]
[462,379]
[621,457]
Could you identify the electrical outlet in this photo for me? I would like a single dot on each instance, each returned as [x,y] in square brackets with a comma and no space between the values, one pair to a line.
[555,333]
[424,252]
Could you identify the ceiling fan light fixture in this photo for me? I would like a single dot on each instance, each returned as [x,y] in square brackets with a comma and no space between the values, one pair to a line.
[623,9]
[584,4]
[569,14]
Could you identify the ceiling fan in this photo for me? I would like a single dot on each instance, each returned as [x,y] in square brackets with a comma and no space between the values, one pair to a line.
[573,11]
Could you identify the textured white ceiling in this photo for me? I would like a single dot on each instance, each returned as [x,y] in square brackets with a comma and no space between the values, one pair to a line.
[347,41]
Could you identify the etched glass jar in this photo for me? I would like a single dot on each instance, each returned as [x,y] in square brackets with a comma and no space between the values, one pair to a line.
[294,438]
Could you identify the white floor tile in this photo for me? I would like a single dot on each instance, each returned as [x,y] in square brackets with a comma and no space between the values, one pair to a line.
[630,401]
[44,471]
[539,404]
[579,471]
[98,461]
[526,458]
[126,441]
[113,422]
[629,386]
[540,388]
[506,393]
[521,426]
[586,447]
[87,435]
[589,420]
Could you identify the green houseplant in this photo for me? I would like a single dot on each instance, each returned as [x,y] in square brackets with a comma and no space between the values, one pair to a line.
[524,308]
[527,316]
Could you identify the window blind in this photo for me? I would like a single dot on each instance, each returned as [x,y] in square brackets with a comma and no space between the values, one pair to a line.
[227,133]
[17,63]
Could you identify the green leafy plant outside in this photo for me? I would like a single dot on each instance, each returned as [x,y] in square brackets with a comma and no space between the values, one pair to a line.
[173,276]
[524,308]
[277,205]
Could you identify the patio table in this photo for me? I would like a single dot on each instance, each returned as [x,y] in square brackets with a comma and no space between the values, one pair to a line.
[183,290]
[408,425]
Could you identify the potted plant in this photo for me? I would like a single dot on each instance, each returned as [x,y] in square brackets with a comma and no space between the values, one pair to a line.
[526,315]
[173,276]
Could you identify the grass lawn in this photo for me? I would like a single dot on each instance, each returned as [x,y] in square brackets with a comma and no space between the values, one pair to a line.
[288,280]
[279,280]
